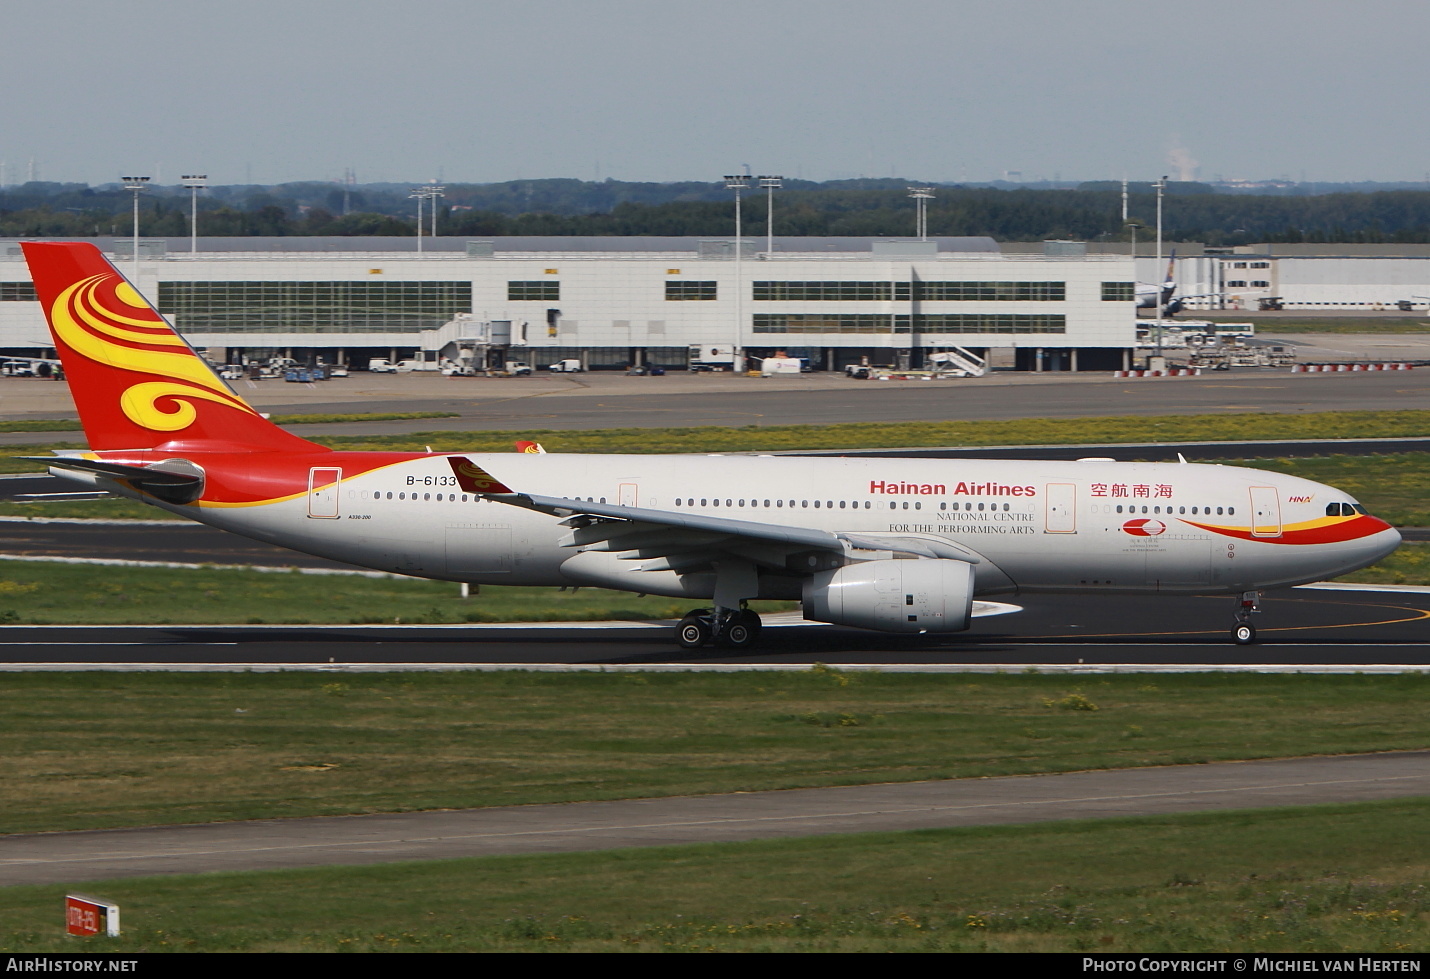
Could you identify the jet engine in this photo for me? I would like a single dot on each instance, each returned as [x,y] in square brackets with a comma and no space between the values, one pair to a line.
[910,596]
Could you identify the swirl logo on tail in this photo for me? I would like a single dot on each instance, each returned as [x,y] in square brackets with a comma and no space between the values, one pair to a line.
[473,478]
[103,319]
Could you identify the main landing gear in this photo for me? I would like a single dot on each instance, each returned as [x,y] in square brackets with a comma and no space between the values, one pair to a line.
[1243,633]
[735,628]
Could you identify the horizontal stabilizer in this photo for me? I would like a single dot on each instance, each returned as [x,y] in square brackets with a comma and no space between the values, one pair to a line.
[168,485]
[157,477]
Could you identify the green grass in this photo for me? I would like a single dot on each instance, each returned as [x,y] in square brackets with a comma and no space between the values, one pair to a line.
[854,435]
[1409,565]
[36,592]
[40,425]
[110,508]
[205,747]
[360,417]
[72,424]
[1345,878]
[861,435]
[1395,488]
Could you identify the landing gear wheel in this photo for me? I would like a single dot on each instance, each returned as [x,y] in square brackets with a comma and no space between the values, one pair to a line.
[1243,633]
[741,631]
[694,630]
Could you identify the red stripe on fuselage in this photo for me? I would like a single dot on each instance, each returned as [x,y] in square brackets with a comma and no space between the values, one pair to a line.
[1349,528]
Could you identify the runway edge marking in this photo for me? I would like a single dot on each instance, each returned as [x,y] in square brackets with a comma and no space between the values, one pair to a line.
[992,668]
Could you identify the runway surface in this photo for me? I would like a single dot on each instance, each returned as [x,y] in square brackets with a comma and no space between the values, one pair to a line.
[1302,629]
[54,858]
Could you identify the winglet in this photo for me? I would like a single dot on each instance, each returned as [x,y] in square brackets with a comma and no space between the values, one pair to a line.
[474,479]
[531,447]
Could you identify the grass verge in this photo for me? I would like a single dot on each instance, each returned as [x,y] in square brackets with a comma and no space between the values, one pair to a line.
[1035,431]
[1312,879]
[1409,565]
[861,435]
[360,417]
[73,424]
[216,747]
[1395,488]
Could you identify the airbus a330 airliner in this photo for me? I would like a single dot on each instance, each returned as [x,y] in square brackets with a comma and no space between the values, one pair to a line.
[896,545]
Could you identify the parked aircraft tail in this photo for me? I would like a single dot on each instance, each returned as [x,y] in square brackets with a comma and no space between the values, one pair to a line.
[136,382]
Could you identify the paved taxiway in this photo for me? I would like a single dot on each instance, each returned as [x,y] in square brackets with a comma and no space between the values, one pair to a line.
[1302,629]
[54,858]
[609,400]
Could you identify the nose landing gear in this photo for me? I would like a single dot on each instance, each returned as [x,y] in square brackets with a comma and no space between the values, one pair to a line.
[735,628]
[1243,633]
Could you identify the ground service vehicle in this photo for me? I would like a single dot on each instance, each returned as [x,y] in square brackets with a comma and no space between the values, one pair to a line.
[568,366]
[896,545]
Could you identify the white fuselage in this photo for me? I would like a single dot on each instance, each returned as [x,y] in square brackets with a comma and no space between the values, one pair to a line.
[1038,526]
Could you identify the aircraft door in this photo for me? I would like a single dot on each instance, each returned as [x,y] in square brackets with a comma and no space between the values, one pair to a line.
[479,549]
[1061,513]
[323,487]
[630,493]
[1265,512]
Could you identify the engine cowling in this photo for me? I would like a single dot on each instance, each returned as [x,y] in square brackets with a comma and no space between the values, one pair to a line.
[893,596]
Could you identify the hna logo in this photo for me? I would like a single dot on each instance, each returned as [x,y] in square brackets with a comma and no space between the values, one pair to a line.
[1299,499]
[1144,527]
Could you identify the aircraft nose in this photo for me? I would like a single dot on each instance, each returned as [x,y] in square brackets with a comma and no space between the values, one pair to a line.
[1382,544]
[1386,542]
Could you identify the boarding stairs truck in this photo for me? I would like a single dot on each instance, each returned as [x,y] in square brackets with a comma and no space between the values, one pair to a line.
[957,362]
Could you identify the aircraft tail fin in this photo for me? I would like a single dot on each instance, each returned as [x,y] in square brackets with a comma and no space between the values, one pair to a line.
[136,382]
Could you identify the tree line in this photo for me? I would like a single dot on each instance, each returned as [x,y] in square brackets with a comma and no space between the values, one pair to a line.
[1093,212]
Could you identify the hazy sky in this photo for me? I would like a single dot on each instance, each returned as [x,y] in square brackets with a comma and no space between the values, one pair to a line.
[489,90]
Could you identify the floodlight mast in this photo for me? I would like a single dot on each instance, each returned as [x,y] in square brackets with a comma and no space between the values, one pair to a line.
[770,184]
[1161,284]
[921,197]
[195,182]
[434,191]
[419,194]
[136,186]
[738,182]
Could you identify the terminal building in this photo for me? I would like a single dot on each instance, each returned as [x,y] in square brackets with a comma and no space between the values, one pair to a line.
[610,302]
[1306,276]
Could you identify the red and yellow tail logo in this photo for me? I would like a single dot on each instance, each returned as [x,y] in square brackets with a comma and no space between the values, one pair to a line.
[473,478]
[135,381]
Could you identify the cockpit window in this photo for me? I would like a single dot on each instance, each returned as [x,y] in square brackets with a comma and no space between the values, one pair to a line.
[1358,508]
[1333,509]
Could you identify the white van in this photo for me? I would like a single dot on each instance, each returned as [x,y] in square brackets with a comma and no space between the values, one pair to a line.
[381,365]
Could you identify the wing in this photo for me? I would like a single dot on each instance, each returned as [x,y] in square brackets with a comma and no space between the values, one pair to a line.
[688,543]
